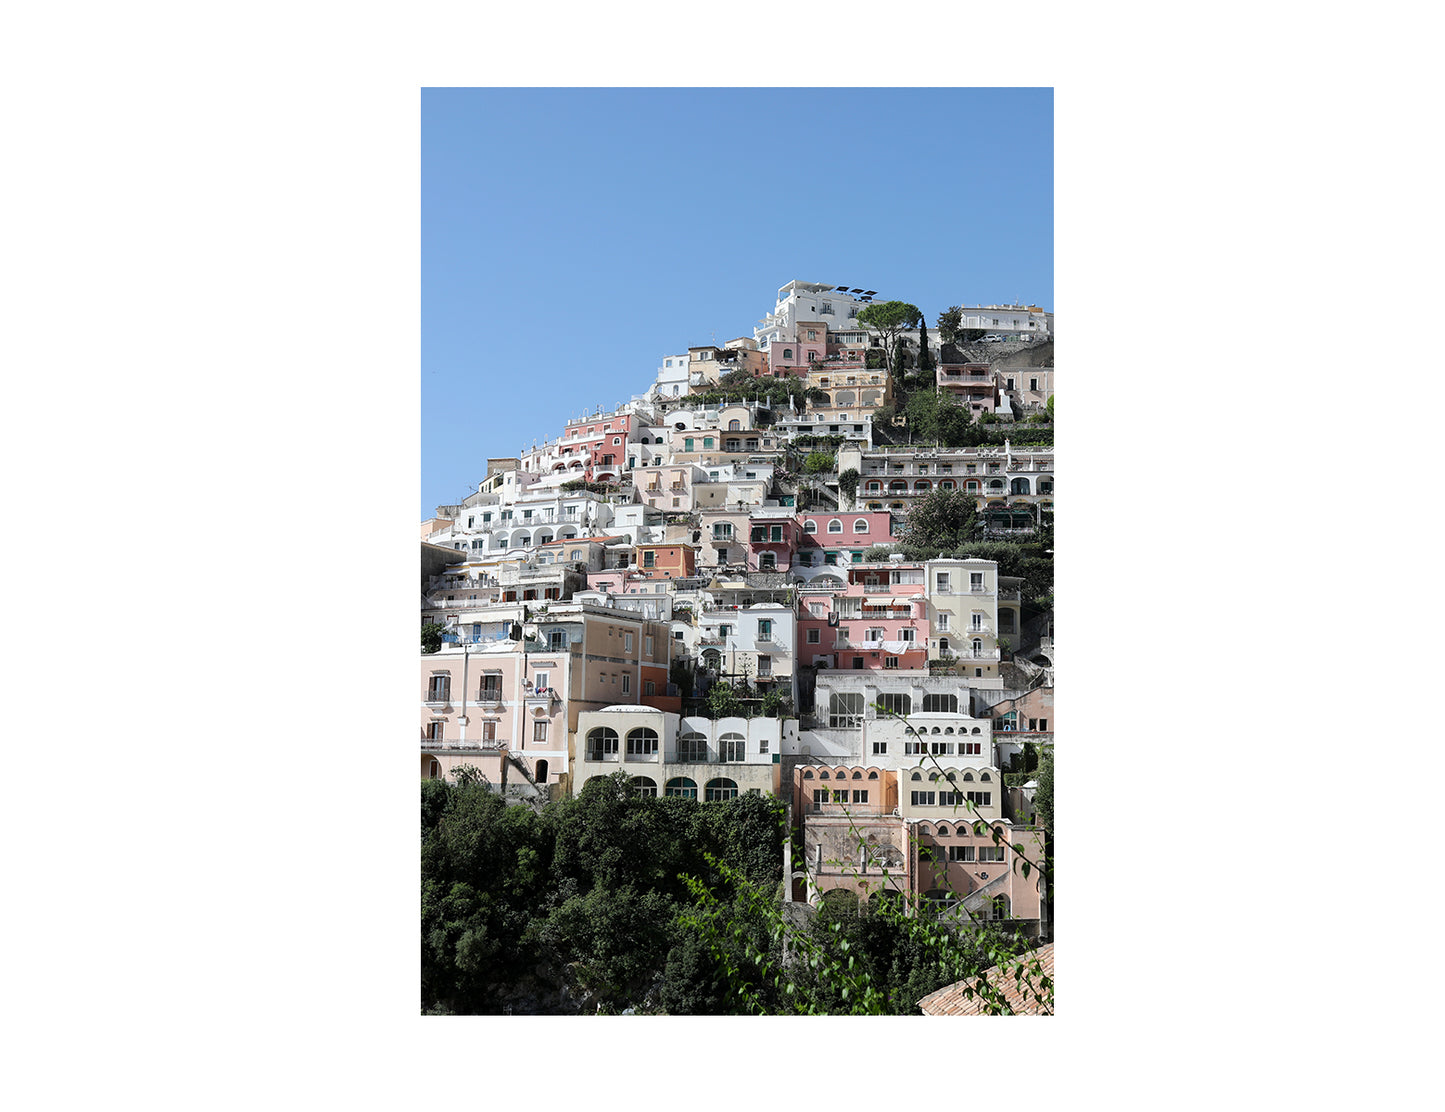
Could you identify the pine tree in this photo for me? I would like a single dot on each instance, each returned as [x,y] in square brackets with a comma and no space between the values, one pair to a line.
[925,357]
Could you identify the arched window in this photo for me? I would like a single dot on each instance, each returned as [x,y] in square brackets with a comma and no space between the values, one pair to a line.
[942,831]
[873,776]
[824,775]
[922,484]
[643,785]
[857,776]
[602,744]
[835,526]
[917,776]
[681,787]
[948,729]
[692,746]
[808,775]
[735,425]
[860,525]
[810,526]
[985,777]
[717,790]
[642,742]
[734,747]
[968,776]
[976,730]
[787,353]
[937,730]
[1000,907]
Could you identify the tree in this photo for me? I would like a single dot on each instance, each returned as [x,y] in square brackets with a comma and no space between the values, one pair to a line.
[891,319]
[848,482]
[431,636]
[1044,795]
[940,522]
[925,357]
[1049,407]
[818,463]
[937,418]
[950,322]
[900,357]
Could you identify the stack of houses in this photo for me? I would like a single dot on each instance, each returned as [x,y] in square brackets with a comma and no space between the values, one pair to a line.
[597,586]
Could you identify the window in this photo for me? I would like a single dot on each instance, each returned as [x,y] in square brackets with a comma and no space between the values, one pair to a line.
[681,787]
[940,704]
[960,853]
[1043,725]
[734,748]
[890,702]
[642,742]
[943,583]
[860,526]
[439,689]
[626,684]
[627,642]
[556,640]
[950,799]
[1033,384]
[969,748]
[539,731]
[647,645]
[776,532]
[860,796]
[707,442]
[601,744]
[880,748]
[845,709]
[923,799]
[687,442]
[491,688]
[977,621]
[434,730]
[718,790]
[942,622]
[990,853]
[765,666]
[649,559]
[643,785]
[810,526]
[873,635]
[765,629]
[890,662]
[762,745]
[835,526]
[692,746]
[813,636]
[980,799]
[907,634]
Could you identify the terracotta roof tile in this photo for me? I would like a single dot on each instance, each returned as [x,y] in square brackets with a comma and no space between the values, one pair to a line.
[951,1000]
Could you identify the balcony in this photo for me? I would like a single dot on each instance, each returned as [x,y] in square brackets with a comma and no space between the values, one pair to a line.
[474,744]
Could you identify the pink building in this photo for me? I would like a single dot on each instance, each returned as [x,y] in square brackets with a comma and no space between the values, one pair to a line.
[772,541]
[841,538]
[970,384]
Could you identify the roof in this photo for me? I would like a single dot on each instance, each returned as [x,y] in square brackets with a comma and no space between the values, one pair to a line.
[951,1000]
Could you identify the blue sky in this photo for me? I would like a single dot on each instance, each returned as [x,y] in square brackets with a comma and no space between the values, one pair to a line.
[570,238]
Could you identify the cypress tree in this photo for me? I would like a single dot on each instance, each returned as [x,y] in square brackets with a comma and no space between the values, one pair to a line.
[925,357]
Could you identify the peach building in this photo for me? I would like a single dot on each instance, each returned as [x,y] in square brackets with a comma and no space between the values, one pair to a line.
[852,842]
[665,561]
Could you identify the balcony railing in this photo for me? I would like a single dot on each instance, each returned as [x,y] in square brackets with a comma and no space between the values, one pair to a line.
[483,744]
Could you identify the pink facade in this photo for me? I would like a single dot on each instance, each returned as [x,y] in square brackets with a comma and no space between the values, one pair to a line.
[970,384]
[772,541]
[832,533]
[603,441]
[810,349]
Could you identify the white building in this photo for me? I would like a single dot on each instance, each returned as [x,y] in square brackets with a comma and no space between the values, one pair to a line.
[1027,323]
[833,304]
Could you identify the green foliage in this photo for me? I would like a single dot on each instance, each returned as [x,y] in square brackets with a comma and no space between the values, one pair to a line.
[1044,795]
[949,323]
[1049,407]
[935,418]
[431,636]
[679,672]
[873,358]
[879,552]
[892,319]
[940,522]
[777,704]
[819,463]
[574,907]
[925,356]
[723,702]
[848,482]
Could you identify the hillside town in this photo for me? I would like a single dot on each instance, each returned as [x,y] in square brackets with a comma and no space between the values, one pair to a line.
[813,563]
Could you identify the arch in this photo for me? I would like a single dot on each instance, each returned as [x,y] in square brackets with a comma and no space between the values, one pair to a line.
[968,776]
[810,526]
[948,730]
[733,747]
[601,743]
[942,830]
[860,525]
[692,746]
[999,909]
[898,485]
[1019,486]
[735,425]
[539,773]
[936,730]
[681,787]
[642,742]
[808,774]
[840,901]
[824,775]
[922,484]
[916,776]
[719,789]
[643,786]
[873,776]
[975,730]
[874,487]
[787,353]
[835,526]
[985,777]
[857,775]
